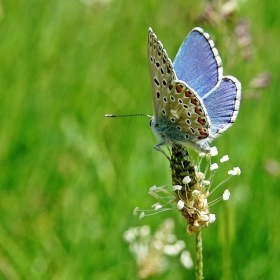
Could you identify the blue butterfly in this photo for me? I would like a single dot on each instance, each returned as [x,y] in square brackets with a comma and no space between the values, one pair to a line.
[193,102]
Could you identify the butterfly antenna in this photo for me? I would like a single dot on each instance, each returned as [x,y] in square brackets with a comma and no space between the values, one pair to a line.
[129,115]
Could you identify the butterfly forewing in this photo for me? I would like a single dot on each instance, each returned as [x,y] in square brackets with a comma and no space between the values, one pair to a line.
[161,70]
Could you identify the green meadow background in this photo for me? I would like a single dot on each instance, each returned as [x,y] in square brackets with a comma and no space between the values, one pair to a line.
[70,178]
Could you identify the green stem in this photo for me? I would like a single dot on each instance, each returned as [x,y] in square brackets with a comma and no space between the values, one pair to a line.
[199,259]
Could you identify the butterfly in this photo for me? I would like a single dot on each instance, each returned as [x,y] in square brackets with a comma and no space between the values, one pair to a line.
[193,102]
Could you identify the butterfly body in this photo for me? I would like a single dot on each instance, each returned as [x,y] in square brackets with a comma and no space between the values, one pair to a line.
[193,102]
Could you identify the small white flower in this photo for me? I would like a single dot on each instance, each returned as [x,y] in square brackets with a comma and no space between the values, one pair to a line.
[212,218]
[206,182]
[238,171]
[195,193]
[186,180]
[158,207]
[214,166]
[180,204]
[144,231]
[201,154]
[135,211]
[224,158]
[213,151]
[186,259]
[200,175]
[177,188]
[226,194]
[142,215]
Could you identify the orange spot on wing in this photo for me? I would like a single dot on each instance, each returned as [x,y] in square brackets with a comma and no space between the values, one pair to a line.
[170,87]
[187,93]
[197,110]
[179,88]
[194,101]
[201,121]
[203,134]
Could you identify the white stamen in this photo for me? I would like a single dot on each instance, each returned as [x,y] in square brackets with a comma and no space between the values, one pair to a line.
[237,169]
[224,158]
[180,204]
[213,151]
[226,194]
[142,215]
[214,166]
[158,207]
[212,218]
[186,180]
[135,211]
[153,188]
[177,188]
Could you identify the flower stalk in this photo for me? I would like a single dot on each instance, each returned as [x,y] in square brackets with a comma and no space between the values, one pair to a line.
[189,201]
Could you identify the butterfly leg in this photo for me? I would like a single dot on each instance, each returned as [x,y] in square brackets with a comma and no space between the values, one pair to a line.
[158,148]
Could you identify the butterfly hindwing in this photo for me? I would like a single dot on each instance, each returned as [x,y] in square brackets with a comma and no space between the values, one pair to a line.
[185,113]
[222,105]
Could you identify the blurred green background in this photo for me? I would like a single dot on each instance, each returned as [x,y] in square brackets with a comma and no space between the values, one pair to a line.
[70,178]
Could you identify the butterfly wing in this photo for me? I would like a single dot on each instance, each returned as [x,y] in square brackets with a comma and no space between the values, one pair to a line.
[198,63]
[184,114]
[222,105]
[179,113]
[161,70]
